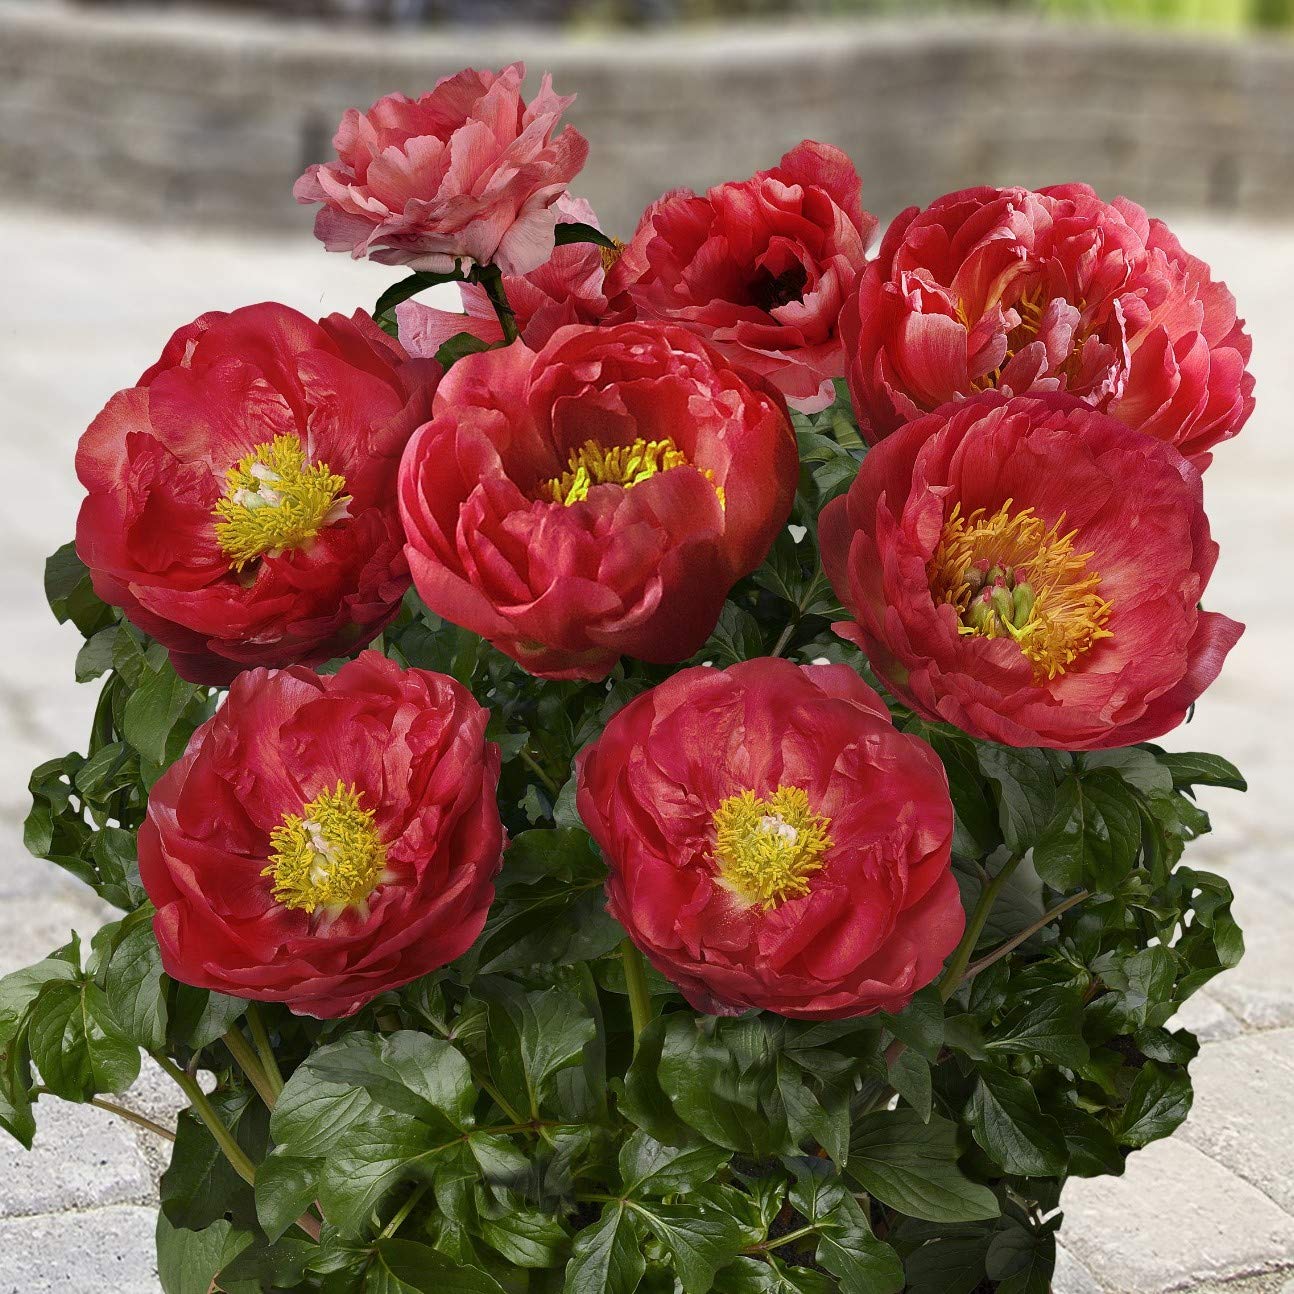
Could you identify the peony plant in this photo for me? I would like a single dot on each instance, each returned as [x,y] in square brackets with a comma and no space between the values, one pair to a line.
[584,821]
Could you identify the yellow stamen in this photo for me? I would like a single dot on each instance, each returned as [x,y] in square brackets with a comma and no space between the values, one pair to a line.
[624,465]
[766,847]
[1030,306]
[610,255]
[328,857]
[276,501]
[1012,575]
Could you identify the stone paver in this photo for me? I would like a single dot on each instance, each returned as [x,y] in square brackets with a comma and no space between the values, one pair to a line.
[76,1253]
[1176,1218]
[82,1157]
[1209,1211]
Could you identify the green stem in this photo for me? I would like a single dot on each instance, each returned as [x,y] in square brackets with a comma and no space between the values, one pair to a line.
[402,1213]
[131,1116]
[490,277]
[956,970]
[205,1111]
[242,1052]
[538,770]
[1027,933]
[790,1238]
[639,994]
[261,1038]
[787,633]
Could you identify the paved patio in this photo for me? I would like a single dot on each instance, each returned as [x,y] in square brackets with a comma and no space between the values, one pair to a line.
[89,306]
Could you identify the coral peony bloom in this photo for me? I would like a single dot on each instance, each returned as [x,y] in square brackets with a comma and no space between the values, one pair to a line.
[241,498]
[467,173]
[324,839]
[595,499]
[567,289]
[1052,290]
[774,841]
[1029,570]
[759,268]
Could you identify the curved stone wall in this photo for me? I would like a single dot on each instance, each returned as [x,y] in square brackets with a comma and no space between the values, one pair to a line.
[209,120]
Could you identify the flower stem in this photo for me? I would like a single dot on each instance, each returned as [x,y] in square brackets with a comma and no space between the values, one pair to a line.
[269,1062]
[242,1052]
[490,277]
[1027,933]
[205,1111]
[550,783]
[956,970]
[639,994]
[780,646]
[398,1219]
[121,1111]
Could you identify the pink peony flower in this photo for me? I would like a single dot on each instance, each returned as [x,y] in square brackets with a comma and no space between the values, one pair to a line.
[468,173]
[566,289]
[1052,290]
[759,269]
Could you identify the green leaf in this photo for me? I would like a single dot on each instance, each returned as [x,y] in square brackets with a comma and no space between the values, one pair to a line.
[531,1038]
[1022,1259]
[976,831]
[1048,1025]
[575,231]
[736,637]
[134,982]
[550,908]
[285,1188]
[921,1023]
[910,1078]
[522,1235]
[912,1167]
[70,594]
[1005,1119]
[77,1044]
[189,1261]
[1159,1102]
[405,1267]
[459,345]
[606,1257]
[1093,1151]
[947,1265]
[20,988]
[200,1186]
[698,1234]
[648,1167]
[362,1145]
[1196,768]
[15,1091]
[1095,835]
[731,1103]
[849,1250]
[410,287]
[154,709]
[1025,788]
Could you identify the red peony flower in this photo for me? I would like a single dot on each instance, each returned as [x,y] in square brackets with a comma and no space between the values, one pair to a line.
[469,173]
[241,498]
[1052,290]
[1029,570]
[567,289]
[595,499]
[759,268]
[774,841]
[322,840]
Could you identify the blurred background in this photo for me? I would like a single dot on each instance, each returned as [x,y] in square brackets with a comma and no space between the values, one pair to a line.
[147,153]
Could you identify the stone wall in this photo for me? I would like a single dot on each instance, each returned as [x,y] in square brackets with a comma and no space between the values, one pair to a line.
[209,120]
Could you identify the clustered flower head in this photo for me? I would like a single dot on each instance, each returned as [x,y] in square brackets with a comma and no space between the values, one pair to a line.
[1023,553]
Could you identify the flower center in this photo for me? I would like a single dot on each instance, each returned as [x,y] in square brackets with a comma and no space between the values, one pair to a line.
[624,465]
[1010,575]
[610,255]
[766,847]
[769,290]
[328,857]
[276,501]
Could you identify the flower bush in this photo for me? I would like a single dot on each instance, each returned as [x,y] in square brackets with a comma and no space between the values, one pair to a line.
[581,826]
